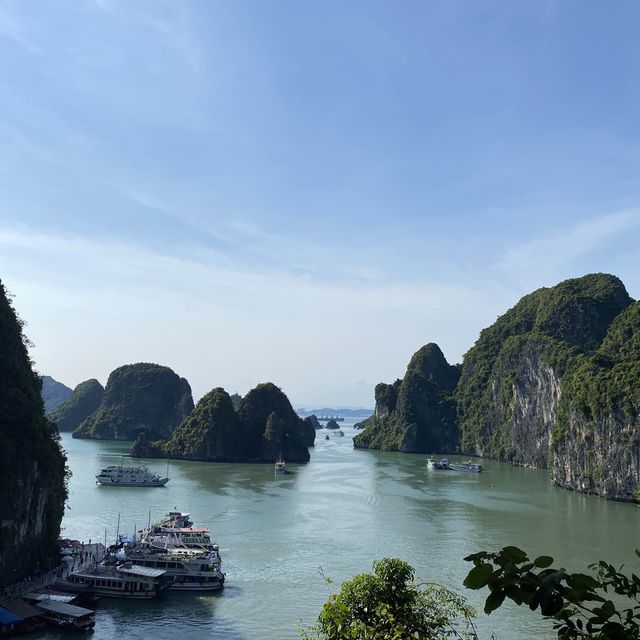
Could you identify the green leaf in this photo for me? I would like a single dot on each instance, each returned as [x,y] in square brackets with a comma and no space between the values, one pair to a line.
[495,599]
[542,562]
[479,576]
[515,554]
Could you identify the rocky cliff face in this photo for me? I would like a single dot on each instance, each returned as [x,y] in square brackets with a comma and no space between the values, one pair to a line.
[554,382]
[417,413]
[262,428]
[32,465]
[54,393]
[85,399]
[512,378]
[139,398]
[596,442]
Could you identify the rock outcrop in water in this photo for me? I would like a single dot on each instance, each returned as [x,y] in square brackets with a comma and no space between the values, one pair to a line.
[313,421]
[554,382]
[53,393]
[32,465]
[139,398]
[262,428]
[84,400]
[417,413]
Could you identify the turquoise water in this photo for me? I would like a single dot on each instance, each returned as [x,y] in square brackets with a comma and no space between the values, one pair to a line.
[342,511]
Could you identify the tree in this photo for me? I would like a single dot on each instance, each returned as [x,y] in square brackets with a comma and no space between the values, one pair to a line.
[578,603]
[388,605]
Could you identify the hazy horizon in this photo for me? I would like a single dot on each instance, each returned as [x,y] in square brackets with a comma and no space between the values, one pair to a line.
[306,193]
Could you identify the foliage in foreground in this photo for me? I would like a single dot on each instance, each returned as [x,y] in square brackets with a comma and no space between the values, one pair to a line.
[388,605]
[579,604]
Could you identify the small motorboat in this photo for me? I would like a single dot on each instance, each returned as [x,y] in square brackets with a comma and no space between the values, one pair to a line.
[442,465]
[280,466]
[469,467]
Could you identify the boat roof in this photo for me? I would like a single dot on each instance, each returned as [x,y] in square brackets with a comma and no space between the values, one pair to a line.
[8,617]
[64,608]
[184,529]
[20,608]
[136,570]
[55,596]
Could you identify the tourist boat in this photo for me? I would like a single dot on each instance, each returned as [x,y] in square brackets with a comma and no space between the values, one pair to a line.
[124,580]
[67,616]
[338,433]
[186,569]
[172,537]
[280,466]
[470,467]
[120,476]
[174,519]
[443,464]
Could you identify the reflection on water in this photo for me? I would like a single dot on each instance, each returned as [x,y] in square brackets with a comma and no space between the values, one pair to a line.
[342,511]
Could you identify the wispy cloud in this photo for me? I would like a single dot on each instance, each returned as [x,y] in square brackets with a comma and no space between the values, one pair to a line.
[112,302]
[556,254]
[13,28]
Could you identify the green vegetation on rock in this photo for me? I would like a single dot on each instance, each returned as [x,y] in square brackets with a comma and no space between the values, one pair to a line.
[561,323]
[32,464]
[84,400]
[417,413]
[555,381]
[139,398]
[263,427]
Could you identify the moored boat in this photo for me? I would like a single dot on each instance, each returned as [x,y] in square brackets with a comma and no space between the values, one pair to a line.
[187,569]
[116,581]
[120,476]
[469,467]
[67,616]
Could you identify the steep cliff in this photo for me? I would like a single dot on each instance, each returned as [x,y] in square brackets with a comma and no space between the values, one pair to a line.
[511,383]
[53,393]
[418,413]
[84,400]
[139,398]
[554,382]
[32,465]
[263,427]
[596,443]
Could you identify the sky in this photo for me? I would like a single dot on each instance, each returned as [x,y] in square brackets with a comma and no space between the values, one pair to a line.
[306,192]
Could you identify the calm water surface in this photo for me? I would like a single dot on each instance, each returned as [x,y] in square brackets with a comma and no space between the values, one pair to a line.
[342,511]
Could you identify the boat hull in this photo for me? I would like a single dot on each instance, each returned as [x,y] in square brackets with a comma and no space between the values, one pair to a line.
[160,483]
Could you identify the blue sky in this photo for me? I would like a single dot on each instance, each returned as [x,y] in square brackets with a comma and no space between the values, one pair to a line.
[306,192]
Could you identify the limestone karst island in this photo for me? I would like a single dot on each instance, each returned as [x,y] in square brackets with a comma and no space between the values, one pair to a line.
[320,320]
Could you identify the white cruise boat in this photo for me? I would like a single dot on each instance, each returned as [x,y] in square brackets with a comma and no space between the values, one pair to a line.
[120,476]
[116,581]
[187,537]
[187,569]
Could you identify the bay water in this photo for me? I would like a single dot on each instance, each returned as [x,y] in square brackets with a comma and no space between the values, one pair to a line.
[334,516]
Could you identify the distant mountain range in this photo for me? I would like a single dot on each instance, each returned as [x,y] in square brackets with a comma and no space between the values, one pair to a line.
[358,412]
